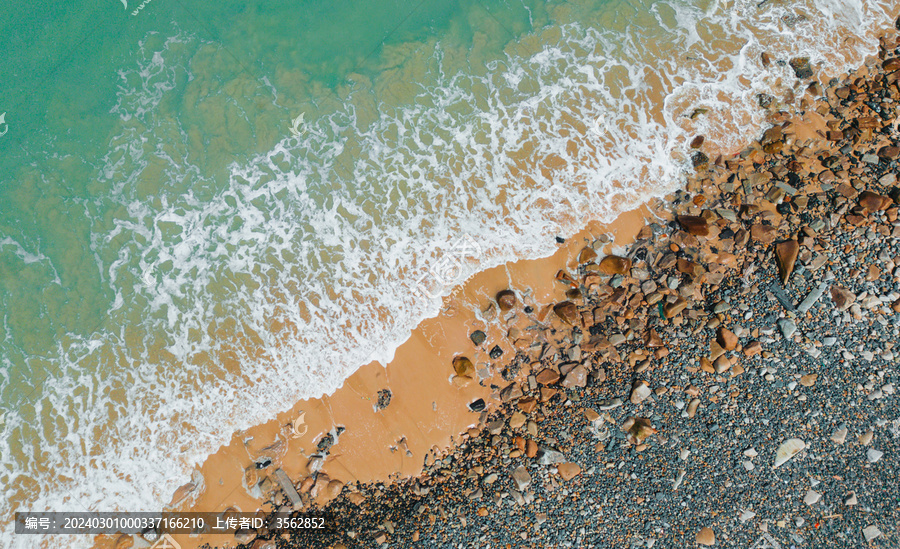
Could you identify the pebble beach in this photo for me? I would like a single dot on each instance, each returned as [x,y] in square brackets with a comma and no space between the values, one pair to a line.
[729,381]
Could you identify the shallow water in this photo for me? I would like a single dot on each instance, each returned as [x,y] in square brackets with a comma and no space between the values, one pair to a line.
[175,264]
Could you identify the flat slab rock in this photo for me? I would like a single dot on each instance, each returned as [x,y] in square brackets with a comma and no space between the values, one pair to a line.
[521,477]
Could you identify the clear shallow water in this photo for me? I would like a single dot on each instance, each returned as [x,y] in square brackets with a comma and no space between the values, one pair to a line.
[175,264]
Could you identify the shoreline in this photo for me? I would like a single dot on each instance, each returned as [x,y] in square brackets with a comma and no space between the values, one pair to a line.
[427,409]
[759,292]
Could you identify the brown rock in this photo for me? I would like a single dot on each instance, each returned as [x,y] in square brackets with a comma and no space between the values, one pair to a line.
[834,135]
[565,278]
[826,176]
[531,448]
[692,407]
[511,392]
[547,376]
[667,261]
[786,256]
[895,306]
[306,485]
[506,299]
[802,68]
[527,404]
[463,367]
[889,153]
[726,339]
[706,365]
[670,310]
[697,142]
[613,265]
[873,274]
[653,340]
[772,135]
[356,498]
[741,238]
[867,123]
[721,364]
[576,378]
[764,234]
[715,350]
[640,392]
[765,59]
[333,489]
[809,380]
[700,161]
[752,349]
[842,297]
[706,536]
[567,312]
[891,65]
[855,220]
[694,224]
[568,470]
[587,254]
[873,201]
[639,428]
[847,190]
[689,267]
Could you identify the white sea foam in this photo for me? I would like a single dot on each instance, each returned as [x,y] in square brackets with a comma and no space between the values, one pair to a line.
[302,267]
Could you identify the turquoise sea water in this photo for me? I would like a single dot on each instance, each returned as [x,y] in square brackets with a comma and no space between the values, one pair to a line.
[176,264]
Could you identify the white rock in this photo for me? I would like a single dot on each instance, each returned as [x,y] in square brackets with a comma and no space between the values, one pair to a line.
[812,497]
[751,453]
[873,455]
[679,479]
[746,515]
[871,532]
[851,500]
[748,465]
[839,436]
[521,477]
[683,454]
[788,450]
[640,392]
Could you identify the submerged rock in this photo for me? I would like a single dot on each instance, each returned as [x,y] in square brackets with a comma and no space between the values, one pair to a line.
[694,224]
[506,299]
[615,265]
[802,68]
